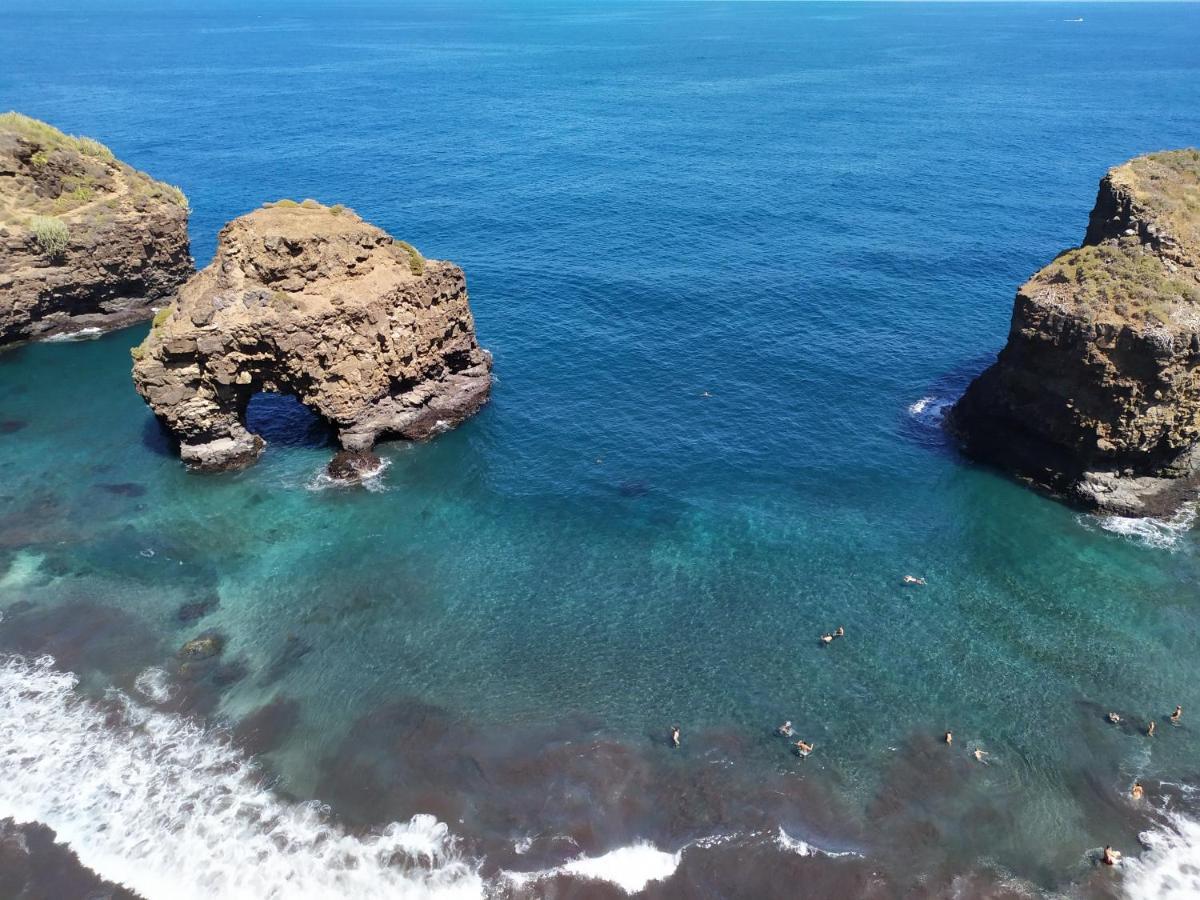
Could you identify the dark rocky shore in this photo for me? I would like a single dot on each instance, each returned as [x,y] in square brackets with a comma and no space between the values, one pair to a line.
[1096,396]
[312,301]
[86,241]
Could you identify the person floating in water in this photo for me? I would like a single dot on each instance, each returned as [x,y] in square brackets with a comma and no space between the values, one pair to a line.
[1111,857]
[674,735]
[1177,715]
[949,737]
[785,730]
[827,639]
[803,748]
[1137,792]
[1150,729]
[913,579]
[841,632]
[1114,718]
[980,754]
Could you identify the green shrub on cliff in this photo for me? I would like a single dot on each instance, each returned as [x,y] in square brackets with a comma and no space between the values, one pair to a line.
[161,316]
[51,234]
[416,262]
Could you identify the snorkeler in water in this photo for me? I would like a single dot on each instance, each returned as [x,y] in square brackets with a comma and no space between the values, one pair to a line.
[913,579]
[1111,857]
[1177,715]
[674,735]
[1137,791]
[1150,729]
[841,632]
[785,730]
[980,754]
[1113,718]
[803,748]
[948,737]
[827,639]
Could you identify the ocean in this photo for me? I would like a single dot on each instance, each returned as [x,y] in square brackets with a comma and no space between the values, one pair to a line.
[734,260]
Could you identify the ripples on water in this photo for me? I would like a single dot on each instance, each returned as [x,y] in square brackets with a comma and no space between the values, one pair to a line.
[734,261]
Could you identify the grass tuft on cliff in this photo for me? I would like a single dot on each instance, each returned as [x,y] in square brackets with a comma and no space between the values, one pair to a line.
[51,234]
[416,262]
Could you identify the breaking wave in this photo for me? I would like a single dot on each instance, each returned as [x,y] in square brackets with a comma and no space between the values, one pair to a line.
[1169,869]
[1163,534]
[629,868]
[931,410]
[157,803]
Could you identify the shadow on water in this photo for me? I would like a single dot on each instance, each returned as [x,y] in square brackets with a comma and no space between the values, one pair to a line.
[283,421]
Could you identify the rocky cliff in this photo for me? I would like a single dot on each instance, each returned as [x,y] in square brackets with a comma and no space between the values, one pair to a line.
[1096,396]
[312,301]
[85,240]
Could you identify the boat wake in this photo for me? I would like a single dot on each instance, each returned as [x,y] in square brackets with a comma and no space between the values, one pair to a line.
[159,804]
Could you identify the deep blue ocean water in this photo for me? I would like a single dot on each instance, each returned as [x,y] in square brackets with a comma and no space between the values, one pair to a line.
[733,260]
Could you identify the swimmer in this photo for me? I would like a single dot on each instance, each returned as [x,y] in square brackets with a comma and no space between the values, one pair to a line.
[674,735]
[803,748]
[913,579]
[1177,715]
[785,730]
[1113,718]
[1150,729]
[841,632]
[706,394]
[827,639]
[949,737]
[980,754]
[1137,792]
[1111,856]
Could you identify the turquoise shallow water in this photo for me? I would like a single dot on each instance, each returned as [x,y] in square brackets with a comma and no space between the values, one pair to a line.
[732,261]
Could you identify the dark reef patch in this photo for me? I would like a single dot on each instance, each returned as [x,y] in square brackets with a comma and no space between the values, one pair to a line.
[34,866]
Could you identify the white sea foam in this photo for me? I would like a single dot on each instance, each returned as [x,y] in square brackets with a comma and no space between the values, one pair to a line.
[23,570]
[1169,869]
[803,848]
[930,410]
[1164,534]
[630,868]
[155,684]
[159,804]
[83,334]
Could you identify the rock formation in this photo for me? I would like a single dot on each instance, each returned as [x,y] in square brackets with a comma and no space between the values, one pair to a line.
[314,302]
[85,240]
[1096,396]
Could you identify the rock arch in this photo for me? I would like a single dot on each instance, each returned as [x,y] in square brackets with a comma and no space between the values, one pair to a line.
[313,302]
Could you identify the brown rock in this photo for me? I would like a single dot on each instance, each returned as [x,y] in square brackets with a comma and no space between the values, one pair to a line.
[314,302]
[1096,396]
[86,242]
[353,465]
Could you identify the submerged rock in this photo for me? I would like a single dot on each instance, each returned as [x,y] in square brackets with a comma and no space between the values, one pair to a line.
[204,647]
[1096,396]
[87,243]
[312,301]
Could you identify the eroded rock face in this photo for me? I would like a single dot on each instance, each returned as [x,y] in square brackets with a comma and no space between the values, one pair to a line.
[1096,396]
[313,301]
[86,242]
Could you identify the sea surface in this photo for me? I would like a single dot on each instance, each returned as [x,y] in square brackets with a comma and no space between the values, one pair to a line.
[734,261]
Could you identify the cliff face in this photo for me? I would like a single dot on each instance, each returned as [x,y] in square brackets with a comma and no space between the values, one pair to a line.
[313,301]
[1096,395]
[85,240]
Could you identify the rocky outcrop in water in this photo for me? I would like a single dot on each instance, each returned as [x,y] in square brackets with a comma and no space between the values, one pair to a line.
[86,242]
[1096,396]
[312,301]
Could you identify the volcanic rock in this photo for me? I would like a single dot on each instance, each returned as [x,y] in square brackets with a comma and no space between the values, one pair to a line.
[86,242]
[312,301]
[1096,396]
